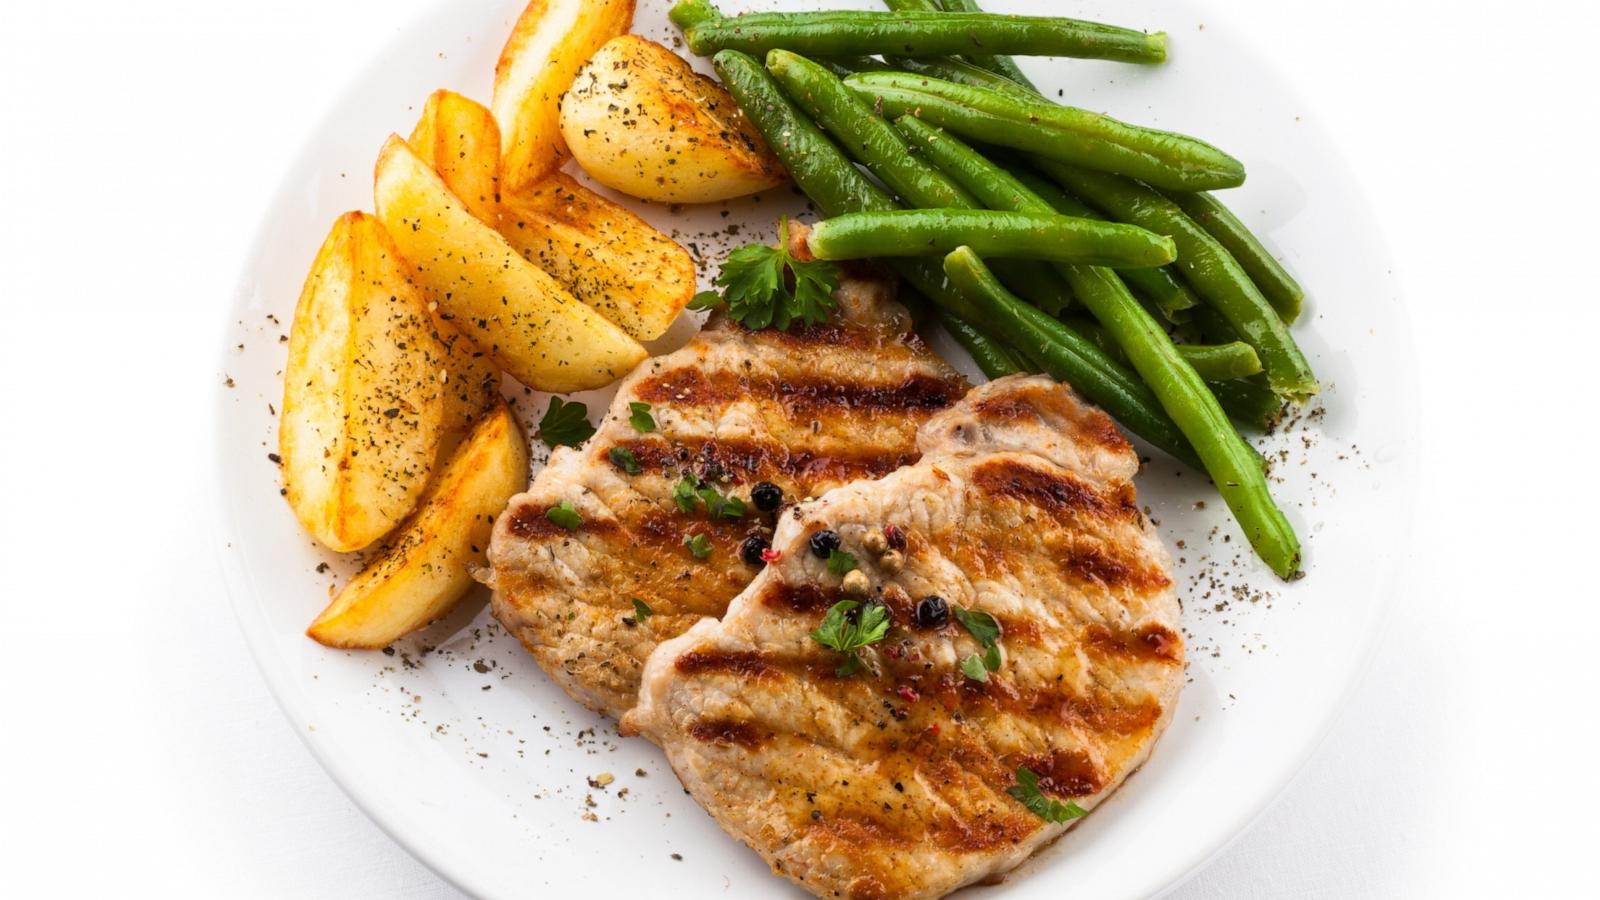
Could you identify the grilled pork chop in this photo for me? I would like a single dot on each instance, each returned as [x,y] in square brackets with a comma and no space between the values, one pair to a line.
[807,410]
[893,781]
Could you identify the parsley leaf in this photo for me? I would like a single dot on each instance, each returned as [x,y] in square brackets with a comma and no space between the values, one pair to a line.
[641,610]
[973,668]
[622,458]
[982,626]
[840,632]
[565,424]
[765,286]
[705,300]
[1026,791]
[720,507]
[986,631]
[698,544]
[565,515]
[684,493]
[840,562]
[639,417]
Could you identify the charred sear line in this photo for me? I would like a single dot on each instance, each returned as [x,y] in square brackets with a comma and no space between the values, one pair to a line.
[1064,772]
[530,520]
[727,733]
[799,394]
[1150,642]
[745,460]
[745,664]
[1056,492]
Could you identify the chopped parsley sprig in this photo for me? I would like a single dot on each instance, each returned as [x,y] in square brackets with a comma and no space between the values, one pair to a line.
[690,490]
[767,287]
[565,424]
[846,633]
[1026,791]
[986,631]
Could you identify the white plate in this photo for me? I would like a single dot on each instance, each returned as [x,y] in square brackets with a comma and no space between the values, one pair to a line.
[469,757]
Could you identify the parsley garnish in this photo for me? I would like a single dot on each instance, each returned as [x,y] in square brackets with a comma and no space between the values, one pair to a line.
[718,506]
[690,489]
[973,668]
[765,286]
[565,515]
[1026,791]
[840,562]
[641,610]
[705,300]
[698,544]
[839,632]
[622,458]
[639,417]
[684,493]
[565,424]
[986,631]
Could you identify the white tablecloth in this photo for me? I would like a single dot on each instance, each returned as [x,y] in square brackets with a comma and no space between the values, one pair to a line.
[140,752]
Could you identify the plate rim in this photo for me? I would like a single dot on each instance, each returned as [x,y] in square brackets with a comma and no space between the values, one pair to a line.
[370,798]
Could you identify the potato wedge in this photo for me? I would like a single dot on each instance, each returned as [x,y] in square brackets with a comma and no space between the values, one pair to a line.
[682,139]
[460,139]
[604,254]
[427,567]
[551,39]
[471,381]
[524,319]
[362,402]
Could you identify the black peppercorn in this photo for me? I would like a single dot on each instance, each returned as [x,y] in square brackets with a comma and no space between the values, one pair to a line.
[766,496]
[823,543]
[750,551]
[932,612]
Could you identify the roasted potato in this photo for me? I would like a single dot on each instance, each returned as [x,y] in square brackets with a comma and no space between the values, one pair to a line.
[427,567]
[469,379]
[608,257]
[521,317]
[679,137]
[460,139]
[550,41]
[363,405]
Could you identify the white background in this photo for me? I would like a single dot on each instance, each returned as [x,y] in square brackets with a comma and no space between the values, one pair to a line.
[141,753]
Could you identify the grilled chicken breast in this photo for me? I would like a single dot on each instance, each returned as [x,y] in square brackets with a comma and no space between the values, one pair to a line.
[807,410]
[893,781]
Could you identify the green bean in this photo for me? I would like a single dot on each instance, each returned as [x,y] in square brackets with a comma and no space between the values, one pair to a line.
[1212,326]
[860,33]
[1221,362]
[949,68]
[992,357]
[1065,354]
[1034,124]
[844,66]
[1155,285]
[686,14]
[1096,333]
[1213,273]
[1035,281]
[815,164]
[1014,235]
[1270,277]
[1247,402]
[1000,65]
[868,138]
[913,5]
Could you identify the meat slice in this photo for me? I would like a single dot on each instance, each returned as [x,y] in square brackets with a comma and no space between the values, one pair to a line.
[893,781]
[807,410]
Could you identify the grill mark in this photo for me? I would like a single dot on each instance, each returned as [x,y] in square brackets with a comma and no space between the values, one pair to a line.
[727,733]
[529,521]
[800,598]
[1065,773]
[799,393]
[1058,493]
[1149,642]
[1087,424]
[747,460]
[745,664]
